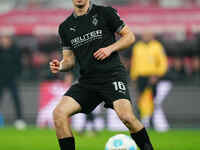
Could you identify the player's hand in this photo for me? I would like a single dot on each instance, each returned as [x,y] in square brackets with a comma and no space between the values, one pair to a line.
[54,66]
[102,53]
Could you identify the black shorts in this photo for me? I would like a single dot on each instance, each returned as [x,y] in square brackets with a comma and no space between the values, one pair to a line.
[143,83]
[89,96]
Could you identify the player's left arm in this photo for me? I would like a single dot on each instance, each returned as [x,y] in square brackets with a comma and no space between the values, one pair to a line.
[115,25]
[126,39]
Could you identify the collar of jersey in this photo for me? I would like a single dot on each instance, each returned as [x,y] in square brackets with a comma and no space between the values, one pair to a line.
[89,9]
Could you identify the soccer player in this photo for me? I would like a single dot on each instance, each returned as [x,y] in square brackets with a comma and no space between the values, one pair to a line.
[88,36]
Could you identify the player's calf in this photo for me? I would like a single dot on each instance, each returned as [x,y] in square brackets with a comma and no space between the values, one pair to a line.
[63,132]
[67,107]
[130,121]
[123,109]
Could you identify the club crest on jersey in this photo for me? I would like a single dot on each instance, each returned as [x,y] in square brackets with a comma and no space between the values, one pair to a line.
[94,20]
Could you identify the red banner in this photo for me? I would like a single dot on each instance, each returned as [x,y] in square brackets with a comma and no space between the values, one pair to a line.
[139,19]
[50,94]
[162,19]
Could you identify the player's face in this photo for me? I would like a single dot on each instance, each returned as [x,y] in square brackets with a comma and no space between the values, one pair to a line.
[80,3]
[5,41]
[147,36]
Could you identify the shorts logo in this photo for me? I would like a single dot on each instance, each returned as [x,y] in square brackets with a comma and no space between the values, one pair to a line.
[72,29]
[94,20]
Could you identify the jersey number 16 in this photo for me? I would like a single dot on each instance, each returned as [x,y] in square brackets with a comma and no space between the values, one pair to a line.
[119,86]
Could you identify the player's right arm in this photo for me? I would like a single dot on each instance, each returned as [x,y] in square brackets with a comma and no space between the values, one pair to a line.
[65,64]
[68,58]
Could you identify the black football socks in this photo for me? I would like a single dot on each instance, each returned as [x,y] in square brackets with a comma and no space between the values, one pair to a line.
[142,140]
[67,143]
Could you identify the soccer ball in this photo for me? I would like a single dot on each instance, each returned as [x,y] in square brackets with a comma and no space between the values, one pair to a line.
[120,142]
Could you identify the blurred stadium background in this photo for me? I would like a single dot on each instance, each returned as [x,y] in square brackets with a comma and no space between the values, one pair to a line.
[32,24]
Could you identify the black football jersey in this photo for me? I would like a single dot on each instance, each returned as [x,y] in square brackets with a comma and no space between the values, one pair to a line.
[86,34]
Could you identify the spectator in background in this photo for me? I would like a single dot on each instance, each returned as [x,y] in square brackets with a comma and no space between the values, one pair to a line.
[159,119]
[90,119]
[148,64]
[178,71]
[196,68]
[196,60]
[10,64]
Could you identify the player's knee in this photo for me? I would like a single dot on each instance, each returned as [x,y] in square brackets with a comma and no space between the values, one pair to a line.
[127,118]
[58,113]
[59,117]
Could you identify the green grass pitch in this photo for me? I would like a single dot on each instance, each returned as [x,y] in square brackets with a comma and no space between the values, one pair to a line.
[45,139]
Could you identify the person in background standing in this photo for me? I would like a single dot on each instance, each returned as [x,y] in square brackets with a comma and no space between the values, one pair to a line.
[10,64]
[148,64]
[159,119]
